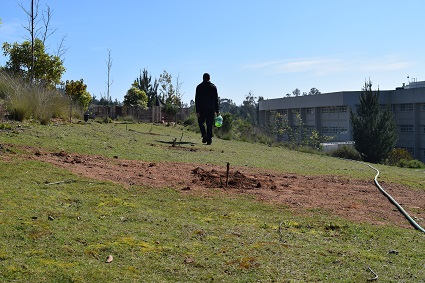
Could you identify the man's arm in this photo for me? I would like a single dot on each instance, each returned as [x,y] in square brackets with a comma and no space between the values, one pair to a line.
[216,106]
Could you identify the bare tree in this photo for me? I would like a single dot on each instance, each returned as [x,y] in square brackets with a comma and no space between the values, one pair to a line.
[178,93]
[62,48]
[36,32]
[32,15]
[47,31]
[109,82]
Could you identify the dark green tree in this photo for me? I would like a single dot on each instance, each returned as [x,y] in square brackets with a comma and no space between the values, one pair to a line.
[144,83]
[374,128]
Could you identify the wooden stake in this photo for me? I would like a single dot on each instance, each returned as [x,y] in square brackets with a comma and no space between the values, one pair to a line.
[227,174]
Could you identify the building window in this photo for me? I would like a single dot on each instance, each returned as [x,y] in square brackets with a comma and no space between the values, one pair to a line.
[406,128]
[406,107]
[423,130]
[423,107]
[309,111]
[334,109]
[334,130]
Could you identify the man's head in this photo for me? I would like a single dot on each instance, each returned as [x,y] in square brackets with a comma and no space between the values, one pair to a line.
[206,77]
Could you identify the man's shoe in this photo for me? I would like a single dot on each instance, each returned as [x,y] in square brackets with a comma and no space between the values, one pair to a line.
[204,139]
[209,142]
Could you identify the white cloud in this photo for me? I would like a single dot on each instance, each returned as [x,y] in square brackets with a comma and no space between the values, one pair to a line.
[317,66]
[328,66]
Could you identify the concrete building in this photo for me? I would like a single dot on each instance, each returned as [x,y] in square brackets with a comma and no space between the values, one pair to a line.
[329,114]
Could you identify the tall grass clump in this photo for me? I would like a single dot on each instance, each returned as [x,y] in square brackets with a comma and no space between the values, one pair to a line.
[24,100]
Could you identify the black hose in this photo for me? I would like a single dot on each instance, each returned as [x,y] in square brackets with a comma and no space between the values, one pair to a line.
[414,224]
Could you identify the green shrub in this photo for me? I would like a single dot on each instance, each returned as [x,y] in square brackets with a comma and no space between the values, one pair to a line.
[398,154]
[346,152]
[190,121]
[225,136]
[415,164]
[227,123]
[5,127]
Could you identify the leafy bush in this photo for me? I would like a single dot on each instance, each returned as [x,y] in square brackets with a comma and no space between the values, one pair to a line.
[398,154]
[415,164]
[225,136]
[227,123]
[5,127]
[400,157]
[346,152]
[190,121]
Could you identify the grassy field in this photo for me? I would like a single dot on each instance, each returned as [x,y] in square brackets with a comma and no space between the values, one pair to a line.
[64,232]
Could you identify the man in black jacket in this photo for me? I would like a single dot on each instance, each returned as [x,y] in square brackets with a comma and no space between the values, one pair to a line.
[206,103]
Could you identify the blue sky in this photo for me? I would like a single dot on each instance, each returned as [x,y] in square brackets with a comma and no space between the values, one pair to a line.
[265,47]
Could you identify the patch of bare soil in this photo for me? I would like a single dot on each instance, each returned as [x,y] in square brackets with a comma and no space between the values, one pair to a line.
[355,200]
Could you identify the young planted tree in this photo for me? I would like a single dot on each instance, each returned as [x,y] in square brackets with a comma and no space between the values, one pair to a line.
[374,129]
[77,92]
[170,94]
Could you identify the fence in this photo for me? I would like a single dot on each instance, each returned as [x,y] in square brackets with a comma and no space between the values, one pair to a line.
[155,114]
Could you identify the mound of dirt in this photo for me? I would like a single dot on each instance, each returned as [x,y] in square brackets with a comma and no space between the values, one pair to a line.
[355,200]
